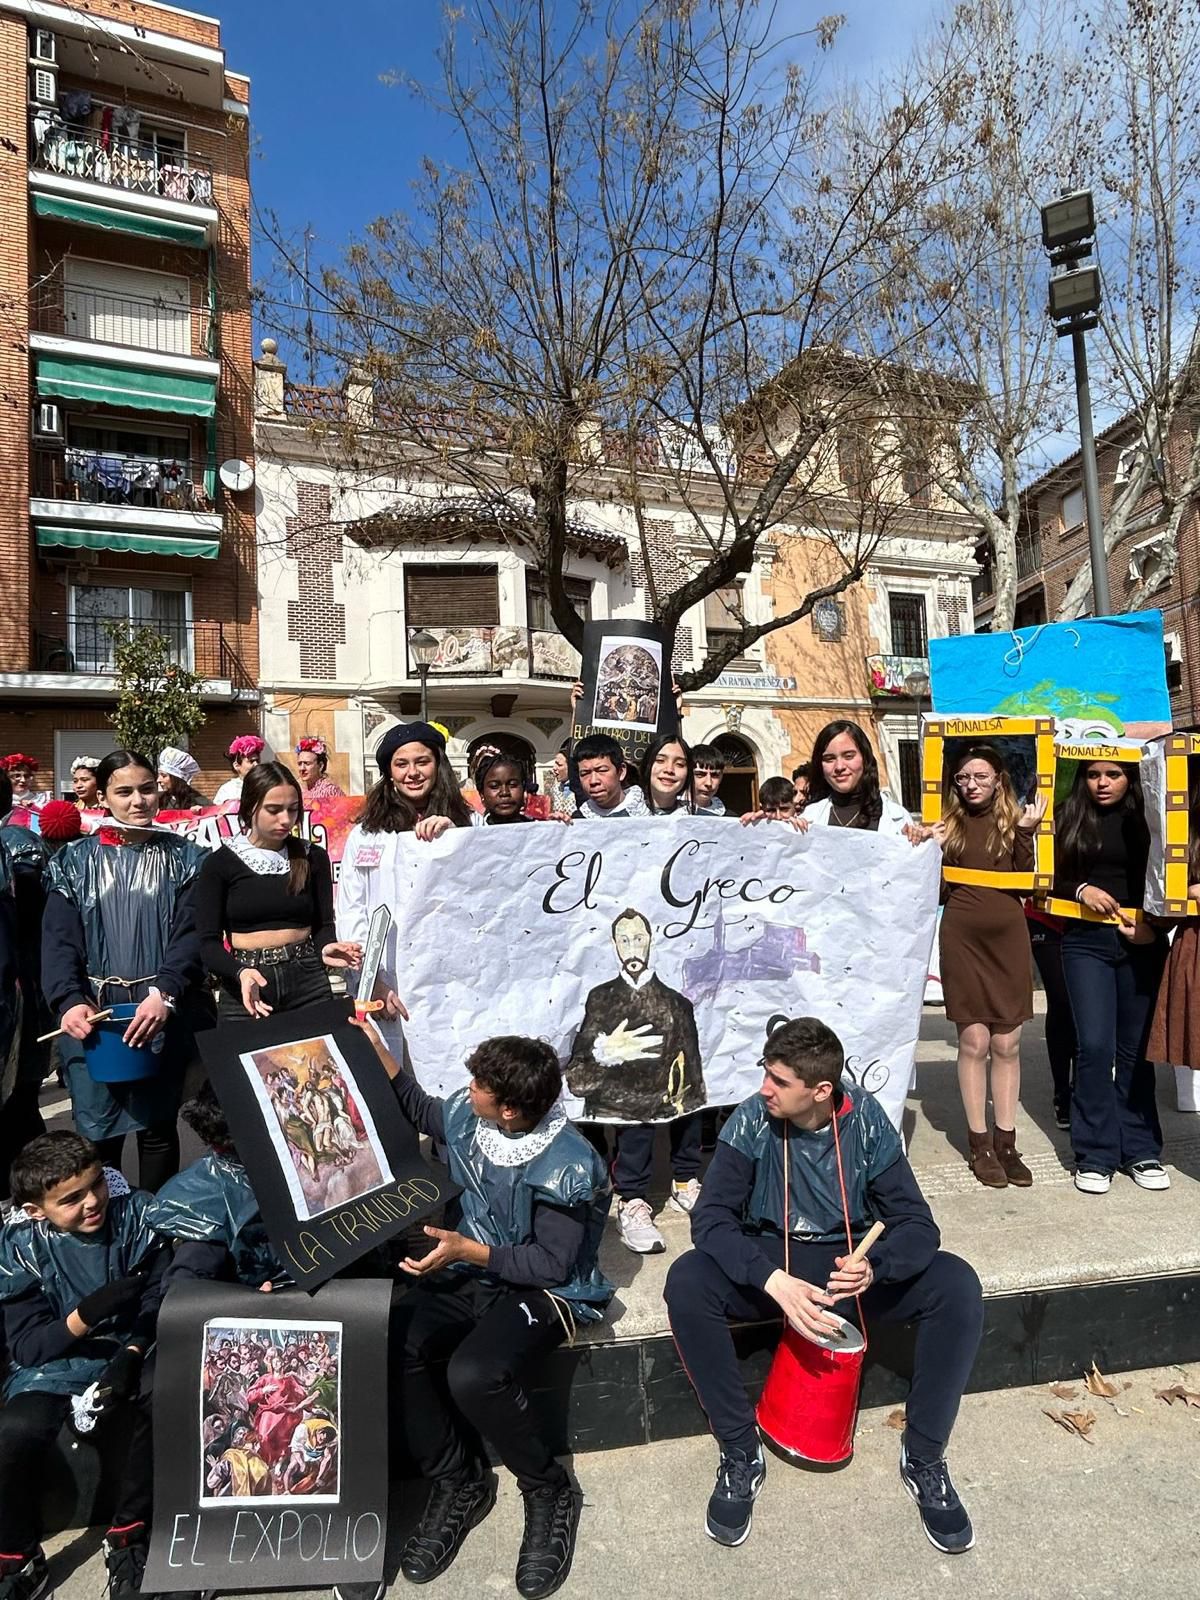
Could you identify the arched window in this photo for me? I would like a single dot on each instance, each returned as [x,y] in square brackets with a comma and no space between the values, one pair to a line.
[739,787]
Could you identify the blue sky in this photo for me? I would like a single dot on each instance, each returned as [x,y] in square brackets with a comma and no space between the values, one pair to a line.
[336,147]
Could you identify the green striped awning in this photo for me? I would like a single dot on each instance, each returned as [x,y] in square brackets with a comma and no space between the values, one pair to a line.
[107,384]
[113,219]
[150,544]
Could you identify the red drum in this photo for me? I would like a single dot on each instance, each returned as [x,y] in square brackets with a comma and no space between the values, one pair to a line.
[809,1403]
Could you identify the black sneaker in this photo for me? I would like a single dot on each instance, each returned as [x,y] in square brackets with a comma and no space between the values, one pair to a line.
[125,1552]
[551,1523]
[25,1577]
[358,1591]
[943,1515]
[454,1507]
[731,1506]
[1062,1113]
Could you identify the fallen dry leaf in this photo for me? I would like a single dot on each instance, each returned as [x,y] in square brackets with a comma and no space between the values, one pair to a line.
[1096,1383]
[1127,1384]
[1190,1397]
[1064,1391]
[1080,1423]
[895,1419]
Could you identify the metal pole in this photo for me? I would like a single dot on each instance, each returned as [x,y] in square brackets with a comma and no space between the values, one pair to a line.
[1101,601]
[423,669]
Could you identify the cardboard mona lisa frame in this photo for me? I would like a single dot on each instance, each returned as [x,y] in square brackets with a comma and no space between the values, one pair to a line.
[627,694]
[1067,760]
[1170,768]
[335,1164]
[270,1438]
[1026,745]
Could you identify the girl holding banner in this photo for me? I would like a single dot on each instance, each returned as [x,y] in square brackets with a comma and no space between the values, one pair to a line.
[844,787]
[264,906]
[1112,969]
[417,793]
[667,772]
[986,976]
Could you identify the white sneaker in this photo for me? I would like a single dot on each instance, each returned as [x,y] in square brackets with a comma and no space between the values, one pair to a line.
[635,1224]
[684,1195]
[1148,1174]
[1093,1182]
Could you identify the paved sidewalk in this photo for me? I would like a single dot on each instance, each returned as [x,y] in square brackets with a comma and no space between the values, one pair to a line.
[1056,1517]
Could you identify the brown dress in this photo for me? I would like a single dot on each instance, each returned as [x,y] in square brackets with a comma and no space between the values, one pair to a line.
[1175,1031]
[986,971]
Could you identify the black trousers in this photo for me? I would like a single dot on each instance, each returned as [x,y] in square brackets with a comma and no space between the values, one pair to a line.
[462,1349]
[289,985]
[945,1301]
[633,1164]
[1046,943]
[29,1425]
[1113,986]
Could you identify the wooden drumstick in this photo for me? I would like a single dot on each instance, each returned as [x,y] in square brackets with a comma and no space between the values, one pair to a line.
[863,1245]
[96,1016]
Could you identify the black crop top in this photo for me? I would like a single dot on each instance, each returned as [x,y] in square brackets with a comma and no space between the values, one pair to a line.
[232,899]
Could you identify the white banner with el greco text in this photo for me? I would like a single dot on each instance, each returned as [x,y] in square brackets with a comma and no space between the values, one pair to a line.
[654,955]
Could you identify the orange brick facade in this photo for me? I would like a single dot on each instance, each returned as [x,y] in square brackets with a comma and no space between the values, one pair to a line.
[36,596]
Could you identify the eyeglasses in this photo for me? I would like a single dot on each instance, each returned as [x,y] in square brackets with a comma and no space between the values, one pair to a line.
[968,781]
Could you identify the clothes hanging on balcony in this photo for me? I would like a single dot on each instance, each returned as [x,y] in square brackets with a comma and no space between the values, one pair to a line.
[76,106]
[126,123]
[106,122]
[43,121]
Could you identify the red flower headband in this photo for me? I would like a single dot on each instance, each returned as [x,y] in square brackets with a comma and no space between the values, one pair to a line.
[247,744]
[314,747]
[18,760]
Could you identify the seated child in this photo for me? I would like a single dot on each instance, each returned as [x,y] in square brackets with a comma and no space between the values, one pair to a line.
[497,1293]
[80,1285]
[209,1210]
[739,1270]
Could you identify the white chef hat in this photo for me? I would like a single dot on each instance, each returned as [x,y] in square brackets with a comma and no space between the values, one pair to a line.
[178,763]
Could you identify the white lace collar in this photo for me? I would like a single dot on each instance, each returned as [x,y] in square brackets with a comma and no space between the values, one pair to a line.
[506,1150]
[265,863]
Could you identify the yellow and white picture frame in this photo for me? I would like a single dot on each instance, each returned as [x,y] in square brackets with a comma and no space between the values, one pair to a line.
[1039,731]
[1071,755]
[1165,787]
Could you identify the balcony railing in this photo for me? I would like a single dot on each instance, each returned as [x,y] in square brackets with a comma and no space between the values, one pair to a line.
[487,652]
[110,478]
[80,642]
[1029,565]
[897,677]
[121,163]
[161,325]
[1029,557]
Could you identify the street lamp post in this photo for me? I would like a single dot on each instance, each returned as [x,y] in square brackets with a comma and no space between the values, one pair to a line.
[1068,233]
[423,649]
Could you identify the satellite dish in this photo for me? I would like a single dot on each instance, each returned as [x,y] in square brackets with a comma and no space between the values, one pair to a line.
[237,475]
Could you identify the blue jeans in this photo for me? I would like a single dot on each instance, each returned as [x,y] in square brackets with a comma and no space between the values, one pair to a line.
[1112,985]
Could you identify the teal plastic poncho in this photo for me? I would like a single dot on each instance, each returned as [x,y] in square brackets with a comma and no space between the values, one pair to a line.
[497,1202]
[869,1142]
[67,1267]
[212,1202]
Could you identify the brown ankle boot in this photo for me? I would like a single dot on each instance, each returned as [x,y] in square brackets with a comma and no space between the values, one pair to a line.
[983,1163]
[1004,1142]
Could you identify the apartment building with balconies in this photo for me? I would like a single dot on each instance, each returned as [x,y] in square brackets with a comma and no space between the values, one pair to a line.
[127,450]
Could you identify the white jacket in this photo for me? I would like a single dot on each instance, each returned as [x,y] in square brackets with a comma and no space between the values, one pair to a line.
[894,820]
